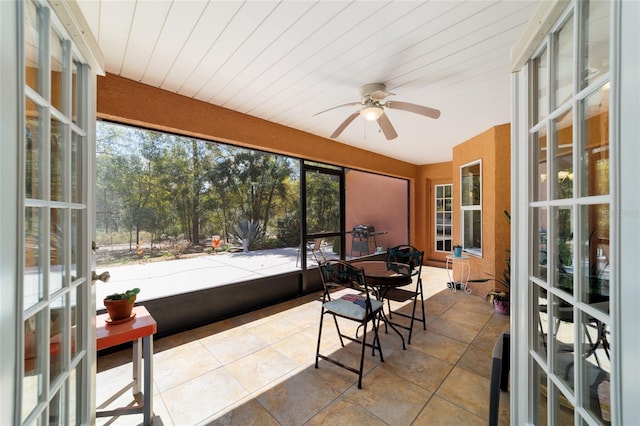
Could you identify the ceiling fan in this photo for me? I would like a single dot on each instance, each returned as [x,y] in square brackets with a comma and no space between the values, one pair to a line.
[372,105]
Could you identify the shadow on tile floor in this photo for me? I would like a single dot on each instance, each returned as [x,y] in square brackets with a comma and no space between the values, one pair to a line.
[258,369]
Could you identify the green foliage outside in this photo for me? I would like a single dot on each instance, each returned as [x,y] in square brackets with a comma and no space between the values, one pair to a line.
[167,189]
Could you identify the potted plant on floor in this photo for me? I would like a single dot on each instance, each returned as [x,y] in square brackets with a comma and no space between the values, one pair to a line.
[499,296]
[120,305]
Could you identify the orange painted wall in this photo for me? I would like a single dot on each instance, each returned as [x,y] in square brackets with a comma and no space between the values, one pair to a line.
[428,177]
[369,198]
[493,148]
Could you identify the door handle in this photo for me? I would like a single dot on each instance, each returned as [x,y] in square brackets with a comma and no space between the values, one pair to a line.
[104,277]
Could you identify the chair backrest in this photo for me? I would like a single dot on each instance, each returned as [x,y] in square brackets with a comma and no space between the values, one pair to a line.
[408,255]
[338,273]
[319,256]
[317,252]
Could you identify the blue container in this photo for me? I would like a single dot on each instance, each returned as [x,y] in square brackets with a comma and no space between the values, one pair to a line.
[457,251]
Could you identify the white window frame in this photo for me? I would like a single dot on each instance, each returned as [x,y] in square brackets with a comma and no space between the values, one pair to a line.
[475,251]
[438,235]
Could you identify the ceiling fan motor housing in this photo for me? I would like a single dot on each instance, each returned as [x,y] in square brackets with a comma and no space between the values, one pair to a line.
[375,91]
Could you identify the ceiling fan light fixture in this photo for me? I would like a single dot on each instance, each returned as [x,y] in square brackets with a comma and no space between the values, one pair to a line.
[371,112]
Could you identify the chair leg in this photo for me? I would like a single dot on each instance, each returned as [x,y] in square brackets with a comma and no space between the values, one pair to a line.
[413,315]
[319,336]
[364,340]
[376,327]
[335,320]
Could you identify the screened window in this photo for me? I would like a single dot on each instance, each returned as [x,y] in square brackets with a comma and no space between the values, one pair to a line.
[224,214]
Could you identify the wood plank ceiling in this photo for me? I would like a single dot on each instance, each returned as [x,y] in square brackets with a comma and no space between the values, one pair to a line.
[284,61]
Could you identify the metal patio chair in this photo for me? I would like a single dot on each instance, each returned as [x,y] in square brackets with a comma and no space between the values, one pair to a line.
[346,295]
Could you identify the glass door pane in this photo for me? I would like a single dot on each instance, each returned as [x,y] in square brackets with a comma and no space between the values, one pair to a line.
[563,61]
[563,156]
[596,16]
[562,249]
[323,202]
[323,213]
[595,143]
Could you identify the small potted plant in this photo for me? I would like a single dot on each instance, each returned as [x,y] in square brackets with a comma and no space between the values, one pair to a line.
[120,305]
[499,296]
[500,300]
[457,250]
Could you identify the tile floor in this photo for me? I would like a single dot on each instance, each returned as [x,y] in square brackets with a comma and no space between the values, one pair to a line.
[258,368]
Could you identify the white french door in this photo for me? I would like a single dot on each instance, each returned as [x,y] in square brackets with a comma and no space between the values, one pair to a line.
[50,284]
[575,198]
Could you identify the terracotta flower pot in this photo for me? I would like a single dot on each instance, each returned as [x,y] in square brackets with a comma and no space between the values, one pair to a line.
[118,309]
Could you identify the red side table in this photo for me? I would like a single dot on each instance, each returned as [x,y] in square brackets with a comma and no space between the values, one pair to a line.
[140,331]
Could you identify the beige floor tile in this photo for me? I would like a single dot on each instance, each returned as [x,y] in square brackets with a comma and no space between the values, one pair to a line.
[274,330]
[161,413]
[434,308]
[170,342]
[340,378]
[504,409]
[216,327]
[472,320]
[114,359]
[111,380]
[298,398]
[335,376]
[181,364]
[343,412]
[486,338]
[439,346]
[390,398]
[499,322]
[299,347]
[454,330]
[113,391]
[247,412]
[477,304]
[418,367]
[446,297]
[390,340]
[230,345]
[197,399]
[467,390]
[477,360]
[305,315]
[440,412]
[260,368]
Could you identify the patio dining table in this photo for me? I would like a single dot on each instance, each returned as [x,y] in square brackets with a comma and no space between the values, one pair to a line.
[384,276]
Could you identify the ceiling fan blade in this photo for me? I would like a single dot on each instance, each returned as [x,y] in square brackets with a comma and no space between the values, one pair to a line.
[344,125]
[416,109]
[337,106]
[387,127]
